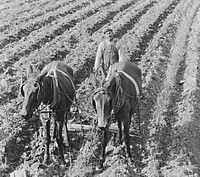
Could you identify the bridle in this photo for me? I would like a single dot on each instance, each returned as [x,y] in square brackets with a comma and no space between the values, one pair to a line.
[119,99]
[101,90]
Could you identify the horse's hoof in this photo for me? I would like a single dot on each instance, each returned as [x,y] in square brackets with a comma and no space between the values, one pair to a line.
[42,166]
[63,166]
[61,161]
[130,161]
[99,168]
[45,161]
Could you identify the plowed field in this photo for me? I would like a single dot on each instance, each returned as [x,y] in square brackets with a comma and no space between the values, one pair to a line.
[161,36]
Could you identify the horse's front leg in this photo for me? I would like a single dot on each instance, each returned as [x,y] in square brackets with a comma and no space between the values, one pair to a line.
[59,140]
[47,138]
[126,122]
[104,142]
[66,137]
[119,131]
[54,129]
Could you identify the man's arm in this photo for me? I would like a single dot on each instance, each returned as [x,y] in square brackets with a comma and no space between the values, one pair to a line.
[121,53]
[99,56]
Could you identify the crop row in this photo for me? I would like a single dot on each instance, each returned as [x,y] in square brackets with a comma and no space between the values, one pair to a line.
[150,16]
[161,44]
[127,37]
[4,3]
[57,49]
[135,19]
[186,123]
[87,52]
[33,11]
[101,21]
[21,10]
[89,56]
[165,105]
[155,61]
[147,27]
[62,43]
[118,23]
[39,38]
[22,30]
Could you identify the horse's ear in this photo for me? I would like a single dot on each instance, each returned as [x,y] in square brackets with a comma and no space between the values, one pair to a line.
[21,82]
[29,71]
[22,90]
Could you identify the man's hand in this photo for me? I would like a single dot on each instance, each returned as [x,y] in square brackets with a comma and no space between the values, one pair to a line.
[38,78]
[94,70]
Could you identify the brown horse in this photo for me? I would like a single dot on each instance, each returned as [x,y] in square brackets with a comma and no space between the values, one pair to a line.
[118,94]
[56,90]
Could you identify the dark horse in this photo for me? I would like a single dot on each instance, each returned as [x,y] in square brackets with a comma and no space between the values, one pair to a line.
[54,88]
[119,94]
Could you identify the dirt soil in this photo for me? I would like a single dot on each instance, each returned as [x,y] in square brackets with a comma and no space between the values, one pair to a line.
[161,37]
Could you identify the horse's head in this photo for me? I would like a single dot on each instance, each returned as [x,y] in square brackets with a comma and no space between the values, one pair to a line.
[102,105]
[31,91]
[103,100]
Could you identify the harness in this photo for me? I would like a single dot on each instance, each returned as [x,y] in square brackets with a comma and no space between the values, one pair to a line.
[67,77]
[120,98]
[54,88]
[133,81]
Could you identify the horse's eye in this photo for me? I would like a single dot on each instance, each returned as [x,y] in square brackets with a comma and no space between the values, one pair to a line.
[35,84]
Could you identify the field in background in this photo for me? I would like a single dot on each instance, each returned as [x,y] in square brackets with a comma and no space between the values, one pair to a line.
[161,36]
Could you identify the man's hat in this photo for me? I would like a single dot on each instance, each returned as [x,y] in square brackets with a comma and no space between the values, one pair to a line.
[106,30]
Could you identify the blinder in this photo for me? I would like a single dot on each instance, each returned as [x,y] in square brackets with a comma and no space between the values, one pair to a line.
[21,88]
[100,90]
[36,84]
[94,105]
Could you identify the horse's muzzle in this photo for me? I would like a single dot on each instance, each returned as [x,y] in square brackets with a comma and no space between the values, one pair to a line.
[102,123]
[102,128]
[26,115]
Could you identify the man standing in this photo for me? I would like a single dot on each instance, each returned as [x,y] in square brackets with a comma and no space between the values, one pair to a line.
[108,53]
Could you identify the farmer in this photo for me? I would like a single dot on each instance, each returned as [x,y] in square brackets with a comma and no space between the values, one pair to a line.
[108,53]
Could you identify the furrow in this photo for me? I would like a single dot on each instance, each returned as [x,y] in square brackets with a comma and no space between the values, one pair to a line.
[31,26]
[31,14]
[46,35]
[153,29]
[109,16]
[61,49]
[164,116]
